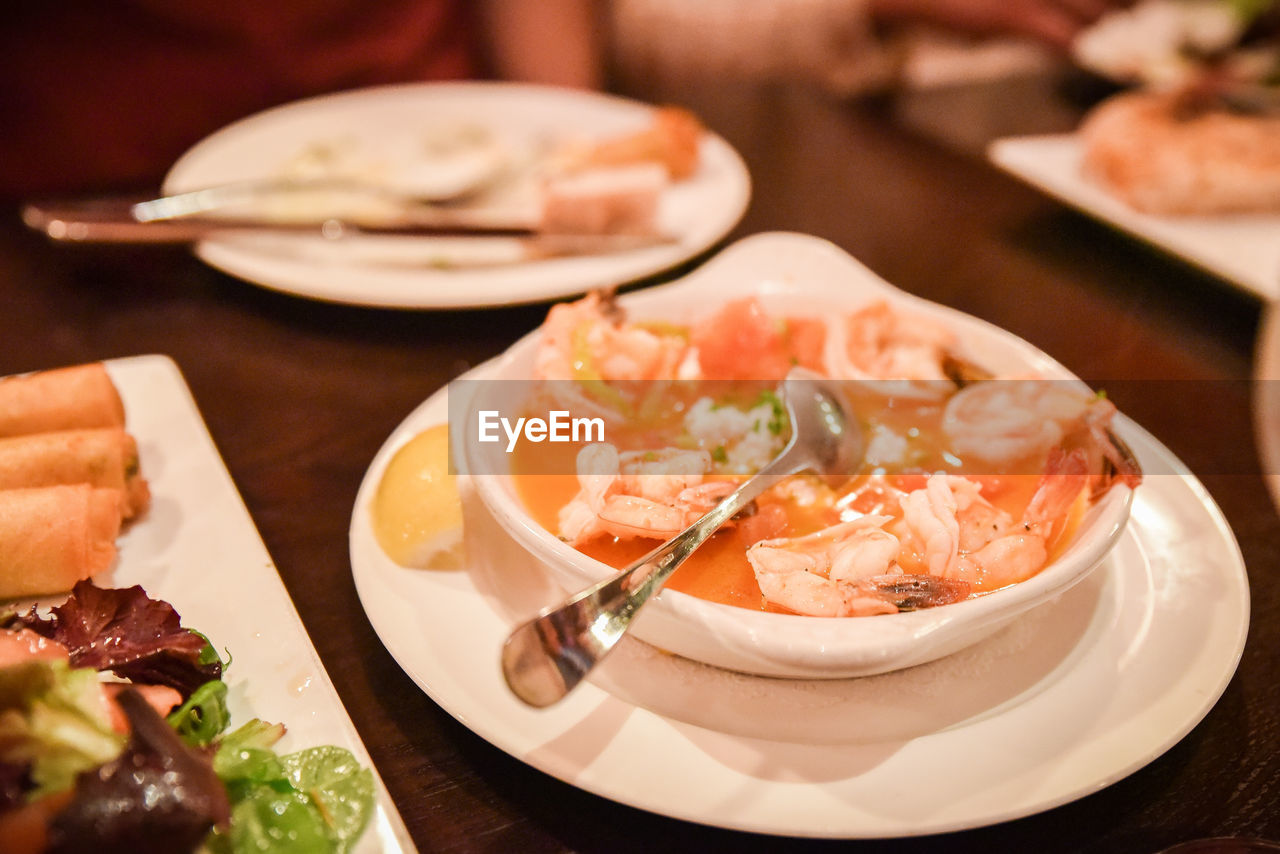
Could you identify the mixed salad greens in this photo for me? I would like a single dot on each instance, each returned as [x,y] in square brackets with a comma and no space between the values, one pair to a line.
[172,783]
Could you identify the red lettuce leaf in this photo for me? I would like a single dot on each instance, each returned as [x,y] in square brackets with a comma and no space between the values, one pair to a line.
[132,635]
[158,795]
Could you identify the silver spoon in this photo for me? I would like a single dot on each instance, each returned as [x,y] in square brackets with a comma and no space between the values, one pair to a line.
[545,658]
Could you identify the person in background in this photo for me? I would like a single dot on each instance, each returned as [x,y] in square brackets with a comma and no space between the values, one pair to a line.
[101,96]
[847,47]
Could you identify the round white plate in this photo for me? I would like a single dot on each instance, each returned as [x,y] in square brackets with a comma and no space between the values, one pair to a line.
[697,211]
[1072,697]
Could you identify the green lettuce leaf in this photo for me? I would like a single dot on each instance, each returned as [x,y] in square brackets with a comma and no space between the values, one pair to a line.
[254,733]
[268,819]
[318,799]
[340,789]
[53,717]
[204,715]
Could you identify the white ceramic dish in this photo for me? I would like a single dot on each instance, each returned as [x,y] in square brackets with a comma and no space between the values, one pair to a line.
[1089,688]
[699,211]
[799,275]
[1244,250]
[197,548]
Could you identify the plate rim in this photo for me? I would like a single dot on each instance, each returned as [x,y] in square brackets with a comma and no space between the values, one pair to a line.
[462,710]
[434,410]
[484,288]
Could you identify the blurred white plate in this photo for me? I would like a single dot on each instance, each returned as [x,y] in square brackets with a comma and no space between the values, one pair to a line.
[698,211]
[198,549]
[1243,249]
[1068,699]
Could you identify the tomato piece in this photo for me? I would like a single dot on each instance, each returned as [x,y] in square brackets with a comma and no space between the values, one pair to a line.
[742,342]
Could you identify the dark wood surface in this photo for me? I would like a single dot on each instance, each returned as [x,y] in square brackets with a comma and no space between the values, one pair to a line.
[299,396]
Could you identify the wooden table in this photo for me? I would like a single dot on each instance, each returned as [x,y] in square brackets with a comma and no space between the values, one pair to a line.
[299,396]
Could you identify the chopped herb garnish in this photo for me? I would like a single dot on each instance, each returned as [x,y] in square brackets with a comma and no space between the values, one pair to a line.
[779,418]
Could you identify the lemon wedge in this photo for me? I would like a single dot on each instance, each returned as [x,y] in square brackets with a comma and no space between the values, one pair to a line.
[417,514]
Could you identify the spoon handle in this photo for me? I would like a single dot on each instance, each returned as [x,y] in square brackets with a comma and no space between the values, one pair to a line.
[548,656]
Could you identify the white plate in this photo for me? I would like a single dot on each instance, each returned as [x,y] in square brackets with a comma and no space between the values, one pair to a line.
[197,548]
[1067,700]
[1243,249]
[699,210]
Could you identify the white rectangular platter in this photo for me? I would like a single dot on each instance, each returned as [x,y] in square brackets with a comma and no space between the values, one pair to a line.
[1243,249]
[198,549]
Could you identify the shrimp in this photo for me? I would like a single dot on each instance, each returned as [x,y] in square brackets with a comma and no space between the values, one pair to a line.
[598,466]
[878,343]
[662,475]
[961,535]
[634,516]
[847,570]
[18,646]
[948,517]
[1123,465]
[652,494]
[162,698]
[930,516]
[819,574]
[1012,421]
[660,493]
[586,341]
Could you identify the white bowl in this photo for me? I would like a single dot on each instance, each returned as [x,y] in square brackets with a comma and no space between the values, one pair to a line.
[797,274]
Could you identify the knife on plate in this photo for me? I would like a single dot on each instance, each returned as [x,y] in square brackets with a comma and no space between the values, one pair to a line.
[348,211]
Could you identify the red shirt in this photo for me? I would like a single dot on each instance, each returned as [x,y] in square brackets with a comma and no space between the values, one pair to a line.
[98,95]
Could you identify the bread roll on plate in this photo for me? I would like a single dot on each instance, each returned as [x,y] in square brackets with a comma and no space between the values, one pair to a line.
[621,200]
[1163,153]
[51,537]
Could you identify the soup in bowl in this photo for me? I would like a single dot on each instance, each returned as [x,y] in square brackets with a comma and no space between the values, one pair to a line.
[992,480]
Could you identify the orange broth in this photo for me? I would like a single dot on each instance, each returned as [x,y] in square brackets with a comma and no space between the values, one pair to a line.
[719,571]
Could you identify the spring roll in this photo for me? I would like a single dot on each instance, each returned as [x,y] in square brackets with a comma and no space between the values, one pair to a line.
[106,457]
[60,399]
[53,536]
